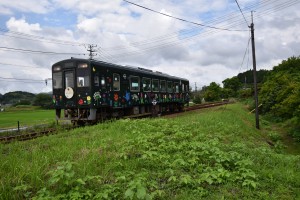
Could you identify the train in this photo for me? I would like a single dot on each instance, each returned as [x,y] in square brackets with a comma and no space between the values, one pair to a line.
[89,91]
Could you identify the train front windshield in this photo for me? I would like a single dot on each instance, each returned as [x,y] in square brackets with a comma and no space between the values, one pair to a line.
[57,80]
[83,78]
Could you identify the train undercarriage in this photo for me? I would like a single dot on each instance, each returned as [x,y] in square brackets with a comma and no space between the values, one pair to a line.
[81,116]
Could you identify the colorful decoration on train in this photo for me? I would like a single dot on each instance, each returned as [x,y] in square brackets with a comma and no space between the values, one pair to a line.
[97,98]
[127,96]
[135,97]
[80,102]
[116,96]
[88,98]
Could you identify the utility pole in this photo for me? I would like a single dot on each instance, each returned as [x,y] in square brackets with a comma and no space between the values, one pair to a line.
[254,73]
[195,86]
[91,50]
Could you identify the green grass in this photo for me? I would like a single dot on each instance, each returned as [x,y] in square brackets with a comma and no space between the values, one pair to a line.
[211,154]
[26,116]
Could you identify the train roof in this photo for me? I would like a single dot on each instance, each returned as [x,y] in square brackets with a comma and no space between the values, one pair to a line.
[123,67]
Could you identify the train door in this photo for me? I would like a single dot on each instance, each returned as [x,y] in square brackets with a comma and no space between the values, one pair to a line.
[69,88]
[125,91]
[103,80]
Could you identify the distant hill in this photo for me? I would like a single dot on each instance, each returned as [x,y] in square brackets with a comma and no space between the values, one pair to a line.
[16,97]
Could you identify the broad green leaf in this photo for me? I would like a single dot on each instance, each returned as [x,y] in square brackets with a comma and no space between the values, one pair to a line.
[129,193]
[141,192]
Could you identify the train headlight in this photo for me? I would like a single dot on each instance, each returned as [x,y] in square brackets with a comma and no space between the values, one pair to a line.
[82,65]
[56,68]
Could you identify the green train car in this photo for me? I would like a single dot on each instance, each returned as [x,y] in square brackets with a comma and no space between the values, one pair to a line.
[87,90]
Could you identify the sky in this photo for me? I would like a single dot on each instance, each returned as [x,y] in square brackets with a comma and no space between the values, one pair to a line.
[209,44]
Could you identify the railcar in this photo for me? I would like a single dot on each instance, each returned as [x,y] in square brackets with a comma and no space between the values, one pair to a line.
[87,90]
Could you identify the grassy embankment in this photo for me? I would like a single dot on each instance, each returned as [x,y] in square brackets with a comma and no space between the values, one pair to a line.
[26,115]
[214,153]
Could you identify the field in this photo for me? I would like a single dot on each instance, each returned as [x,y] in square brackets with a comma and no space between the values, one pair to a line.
[214,153]
[27,116]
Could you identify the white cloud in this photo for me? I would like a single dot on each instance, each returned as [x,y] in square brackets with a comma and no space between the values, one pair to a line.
[26,6]
[22,26]
[5,10]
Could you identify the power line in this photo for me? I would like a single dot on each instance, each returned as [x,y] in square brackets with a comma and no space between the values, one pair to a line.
[163,45]
[218,20]
[242,12]
[21,79]
[213,22]
[38,38]
[247,50]
[135,52]
[184,20]
[34,51]
[136,44]
[17,65]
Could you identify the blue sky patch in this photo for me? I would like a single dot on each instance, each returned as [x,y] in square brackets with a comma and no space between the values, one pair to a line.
[135,14]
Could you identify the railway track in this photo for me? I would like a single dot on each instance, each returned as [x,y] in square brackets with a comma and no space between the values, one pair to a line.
[209,105]
[35,134]
[26,136]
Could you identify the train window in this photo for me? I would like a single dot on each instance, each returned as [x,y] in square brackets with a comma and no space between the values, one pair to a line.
[163,86]
[155,84]
[116,83]
[170,87]
[83,81]
[103,82]
[96,81]
[134,84]
[176,86]
[182,86]
[69,79]
[57,80]
[146,84]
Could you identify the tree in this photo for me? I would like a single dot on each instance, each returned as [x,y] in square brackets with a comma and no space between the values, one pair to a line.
[281,91]
[232,85]
[17,96]
[42,99]
[247,77]
[197,98]
[213,92]
[23,102]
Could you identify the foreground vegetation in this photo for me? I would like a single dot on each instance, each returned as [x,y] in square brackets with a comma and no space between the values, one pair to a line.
[212,154]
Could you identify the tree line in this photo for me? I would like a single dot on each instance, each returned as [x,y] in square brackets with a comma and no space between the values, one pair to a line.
[26,98]
[240,86]
[278,89]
